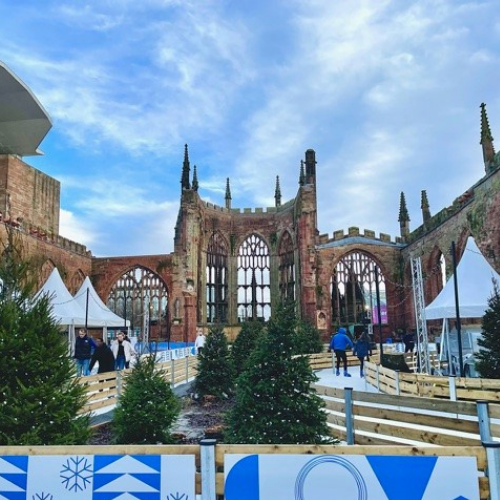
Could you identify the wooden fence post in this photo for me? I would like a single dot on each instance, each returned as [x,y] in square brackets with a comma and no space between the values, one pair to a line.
[207,456]
[377,378]
[398,390]
[172,366]
[452,383]
[349,417]
[187,365]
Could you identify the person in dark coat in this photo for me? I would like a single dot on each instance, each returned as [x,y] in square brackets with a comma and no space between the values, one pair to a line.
[104,357]
[409,341]
[362,350]
[83,352]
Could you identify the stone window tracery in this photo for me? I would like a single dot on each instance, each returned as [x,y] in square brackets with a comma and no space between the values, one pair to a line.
[134,292]
[353,290]
[216,276]
[286,267]
[254,285]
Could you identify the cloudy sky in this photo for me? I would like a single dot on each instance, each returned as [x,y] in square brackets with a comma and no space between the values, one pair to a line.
[386,91]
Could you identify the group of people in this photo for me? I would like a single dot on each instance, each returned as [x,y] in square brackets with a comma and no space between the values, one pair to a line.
[341,342]
[89,352]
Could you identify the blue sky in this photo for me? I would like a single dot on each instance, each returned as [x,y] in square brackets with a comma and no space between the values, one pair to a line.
[386,91]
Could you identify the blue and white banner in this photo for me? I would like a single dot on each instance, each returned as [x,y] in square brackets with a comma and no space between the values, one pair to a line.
[97,477]
[350,477]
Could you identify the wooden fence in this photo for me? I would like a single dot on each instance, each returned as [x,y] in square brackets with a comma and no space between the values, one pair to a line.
[222,449]
[383,419]
[103,390]
[432,386]
[323,360]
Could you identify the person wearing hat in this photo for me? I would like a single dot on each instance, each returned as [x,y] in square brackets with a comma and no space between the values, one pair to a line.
[339,344]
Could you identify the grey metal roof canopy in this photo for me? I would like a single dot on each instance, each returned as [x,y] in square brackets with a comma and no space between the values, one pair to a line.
[23,121]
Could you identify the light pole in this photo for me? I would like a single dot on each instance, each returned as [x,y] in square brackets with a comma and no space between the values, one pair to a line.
[457,310]
[377,290]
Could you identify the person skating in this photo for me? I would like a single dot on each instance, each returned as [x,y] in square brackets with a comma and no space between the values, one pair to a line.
[362,350]
[104,356]
[83,352]
[339,344]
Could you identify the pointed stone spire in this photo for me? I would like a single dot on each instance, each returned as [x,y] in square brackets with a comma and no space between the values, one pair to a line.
[424,205]
[404,218]
[277,192]
[302,176]
[228,195]
[487,141]
[185,170]
[194,185]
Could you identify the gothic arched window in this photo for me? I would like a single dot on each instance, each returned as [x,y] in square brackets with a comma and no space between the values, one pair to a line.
[286,266]
[216,279]
[135,292]
[354,293]
[254,284]
[76,281]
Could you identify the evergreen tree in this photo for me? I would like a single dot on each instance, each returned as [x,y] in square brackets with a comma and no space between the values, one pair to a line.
[40,398]
[215,371]
[147,409]
[307,338]
[488,358]
[248,338]
[274,399]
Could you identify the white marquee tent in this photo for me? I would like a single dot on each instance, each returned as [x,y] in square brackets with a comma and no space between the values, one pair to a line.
[90,301]
[475,286]
[65,309]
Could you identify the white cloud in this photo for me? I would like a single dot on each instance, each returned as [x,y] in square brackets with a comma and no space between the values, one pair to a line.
[77,229]
[382,90]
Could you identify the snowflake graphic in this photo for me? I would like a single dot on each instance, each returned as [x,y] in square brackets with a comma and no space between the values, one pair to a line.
[75,474]
[42,496]
[177,496]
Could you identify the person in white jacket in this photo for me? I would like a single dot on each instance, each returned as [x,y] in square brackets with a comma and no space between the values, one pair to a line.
[199,343]
[122,351]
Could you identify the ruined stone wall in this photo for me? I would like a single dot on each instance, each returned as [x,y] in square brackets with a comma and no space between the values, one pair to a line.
[383,251]
[29,194]
[476,214]
[72,260]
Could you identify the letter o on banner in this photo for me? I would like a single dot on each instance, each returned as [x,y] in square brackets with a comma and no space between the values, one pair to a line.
[304,472]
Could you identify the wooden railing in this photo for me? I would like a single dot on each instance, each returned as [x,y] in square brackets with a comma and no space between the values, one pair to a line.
[323,360]
[384,419]
[104,390]
[432,386]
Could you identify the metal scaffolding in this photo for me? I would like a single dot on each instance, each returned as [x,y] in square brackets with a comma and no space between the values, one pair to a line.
[423,363]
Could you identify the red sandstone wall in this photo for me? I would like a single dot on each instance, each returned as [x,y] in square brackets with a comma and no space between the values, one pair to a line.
[34,196]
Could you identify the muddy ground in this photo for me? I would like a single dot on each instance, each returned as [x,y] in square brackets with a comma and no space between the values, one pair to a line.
[197,420]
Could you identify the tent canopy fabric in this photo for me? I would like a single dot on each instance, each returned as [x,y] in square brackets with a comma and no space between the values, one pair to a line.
[65,309]
[475,286]
[97,309]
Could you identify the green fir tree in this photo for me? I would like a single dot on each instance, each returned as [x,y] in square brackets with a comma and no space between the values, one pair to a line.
[250,335]
[307,338]
[215,375]
[488,358]
[41,401]
[147,408]
[275,402]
